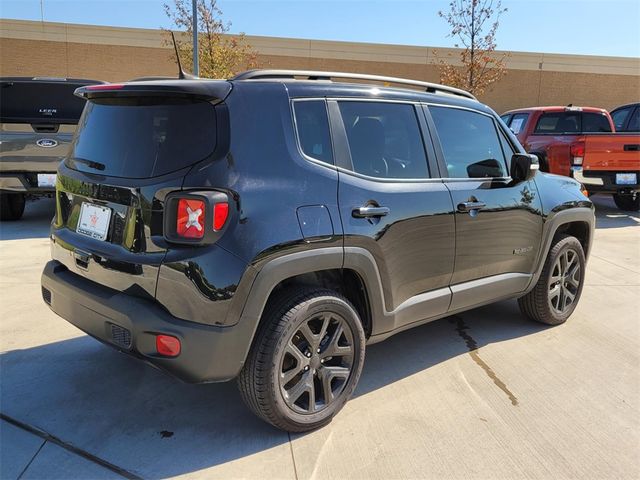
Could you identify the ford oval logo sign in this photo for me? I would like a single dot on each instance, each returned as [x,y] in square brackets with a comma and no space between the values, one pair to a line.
[46,143]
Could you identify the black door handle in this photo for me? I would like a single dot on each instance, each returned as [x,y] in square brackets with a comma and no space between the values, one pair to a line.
[469,206]
[370,211]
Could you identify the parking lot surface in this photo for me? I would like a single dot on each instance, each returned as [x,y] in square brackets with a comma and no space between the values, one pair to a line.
[485,394]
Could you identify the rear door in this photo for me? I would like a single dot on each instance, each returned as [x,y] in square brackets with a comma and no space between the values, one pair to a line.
[128,154]
[393,204]
[498,224]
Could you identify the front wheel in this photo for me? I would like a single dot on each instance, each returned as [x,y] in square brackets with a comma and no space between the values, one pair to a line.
[629,203]
[556,295]
[306,360]
[11,206]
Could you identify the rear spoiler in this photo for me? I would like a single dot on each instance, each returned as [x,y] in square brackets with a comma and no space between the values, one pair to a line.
[209,90]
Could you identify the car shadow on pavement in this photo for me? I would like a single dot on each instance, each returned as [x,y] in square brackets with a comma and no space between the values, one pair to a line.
[147,423]
[610,216]
[34,223]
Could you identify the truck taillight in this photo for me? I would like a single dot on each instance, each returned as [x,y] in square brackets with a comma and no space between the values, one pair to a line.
[220,214]
[577,153]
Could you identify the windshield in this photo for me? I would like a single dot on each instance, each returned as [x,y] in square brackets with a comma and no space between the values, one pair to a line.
[142,137]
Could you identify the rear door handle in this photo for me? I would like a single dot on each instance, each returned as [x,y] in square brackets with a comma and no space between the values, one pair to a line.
[469,206]
[370,211]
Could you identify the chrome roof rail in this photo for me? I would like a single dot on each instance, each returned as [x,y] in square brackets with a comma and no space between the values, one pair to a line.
[328,76]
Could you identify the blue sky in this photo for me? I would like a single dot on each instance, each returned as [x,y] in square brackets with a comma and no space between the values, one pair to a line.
[589,27]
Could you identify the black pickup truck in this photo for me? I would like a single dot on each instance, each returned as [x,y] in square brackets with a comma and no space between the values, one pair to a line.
[37,119]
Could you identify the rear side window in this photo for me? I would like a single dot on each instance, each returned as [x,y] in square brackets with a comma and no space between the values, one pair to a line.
[34,101]
[518,122]
[142,137]
[470,143]
[620,117]
[384,139]
[559,123]
[595,122]
[312,125]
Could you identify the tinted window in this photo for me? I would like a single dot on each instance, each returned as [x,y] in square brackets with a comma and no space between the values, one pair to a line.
[634,121]
[142,137]
[559,122]
[505,119]
[620,116]
[469,142]
[384,139]
[40,102]
[595,122]
[518,122]
[313,129]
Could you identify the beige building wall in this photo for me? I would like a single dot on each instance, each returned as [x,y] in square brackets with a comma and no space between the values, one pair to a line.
[117,54]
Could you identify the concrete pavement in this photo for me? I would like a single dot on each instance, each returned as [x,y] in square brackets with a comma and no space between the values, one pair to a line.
[530,402]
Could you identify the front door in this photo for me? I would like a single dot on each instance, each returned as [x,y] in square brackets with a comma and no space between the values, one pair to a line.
[498,223]
[391,206]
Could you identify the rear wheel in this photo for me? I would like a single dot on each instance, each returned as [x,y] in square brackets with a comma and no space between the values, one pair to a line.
[11,206]
[306,360]
[629,202]
[556,295]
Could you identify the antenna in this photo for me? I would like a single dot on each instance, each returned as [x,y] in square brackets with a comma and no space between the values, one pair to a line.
[182,75]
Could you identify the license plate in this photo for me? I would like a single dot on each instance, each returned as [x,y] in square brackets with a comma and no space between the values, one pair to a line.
[94,221]
[626,179]
[46,179]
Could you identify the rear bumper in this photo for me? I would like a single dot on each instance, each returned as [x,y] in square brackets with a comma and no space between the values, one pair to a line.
[130,324]
[23,183]
[604,181]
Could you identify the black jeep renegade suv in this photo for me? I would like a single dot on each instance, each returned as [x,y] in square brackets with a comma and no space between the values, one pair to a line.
[270,226]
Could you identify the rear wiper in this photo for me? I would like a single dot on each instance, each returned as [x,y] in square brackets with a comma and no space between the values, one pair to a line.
[89,163]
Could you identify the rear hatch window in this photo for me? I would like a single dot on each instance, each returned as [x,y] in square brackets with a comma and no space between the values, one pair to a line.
[142,137]
[39,101]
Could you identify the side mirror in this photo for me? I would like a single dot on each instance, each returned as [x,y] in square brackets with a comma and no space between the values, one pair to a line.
[523,167]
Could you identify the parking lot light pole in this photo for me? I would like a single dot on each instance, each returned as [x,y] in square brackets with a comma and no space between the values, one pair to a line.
[194,18]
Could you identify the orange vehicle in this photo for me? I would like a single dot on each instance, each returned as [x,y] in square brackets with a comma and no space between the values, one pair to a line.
[580,142]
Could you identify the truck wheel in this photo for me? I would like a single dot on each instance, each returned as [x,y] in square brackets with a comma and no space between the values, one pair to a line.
[305,361]
[11,206]
[556,295]
[629,203]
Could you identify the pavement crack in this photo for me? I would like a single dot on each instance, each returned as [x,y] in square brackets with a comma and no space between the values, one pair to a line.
[31,461]
[47,437]
[472,346]
[293,458]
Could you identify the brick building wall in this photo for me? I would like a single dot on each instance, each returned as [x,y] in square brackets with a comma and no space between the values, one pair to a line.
[117,54]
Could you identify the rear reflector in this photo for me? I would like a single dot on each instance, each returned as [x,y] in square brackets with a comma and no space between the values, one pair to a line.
[220,214]
[167,345]
[190,218]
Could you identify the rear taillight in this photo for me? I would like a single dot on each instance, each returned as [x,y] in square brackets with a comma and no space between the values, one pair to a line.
[220,214]
[167,345]
[190,220]
[197,217]
[577,153]
[104,86]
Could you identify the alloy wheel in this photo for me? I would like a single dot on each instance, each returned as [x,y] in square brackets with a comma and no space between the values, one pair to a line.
[317,363]
[565,281]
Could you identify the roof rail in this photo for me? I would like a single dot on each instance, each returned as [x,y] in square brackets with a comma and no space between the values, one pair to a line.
[319,75]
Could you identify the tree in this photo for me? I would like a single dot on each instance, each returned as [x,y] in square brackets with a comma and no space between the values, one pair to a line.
[481,65]
[219,55]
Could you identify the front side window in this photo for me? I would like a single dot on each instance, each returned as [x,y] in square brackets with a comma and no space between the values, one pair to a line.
[312,125]
[469,142]
[384,139]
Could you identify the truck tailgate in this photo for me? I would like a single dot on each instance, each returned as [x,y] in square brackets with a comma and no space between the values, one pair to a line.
[615,152]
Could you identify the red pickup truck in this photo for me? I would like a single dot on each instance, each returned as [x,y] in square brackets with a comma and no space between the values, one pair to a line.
[579,142]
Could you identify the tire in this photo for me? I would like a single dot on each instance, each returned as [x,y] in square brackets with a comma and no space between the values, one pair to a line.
[550,300]
[629,203]
[278,367]
[11,206]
